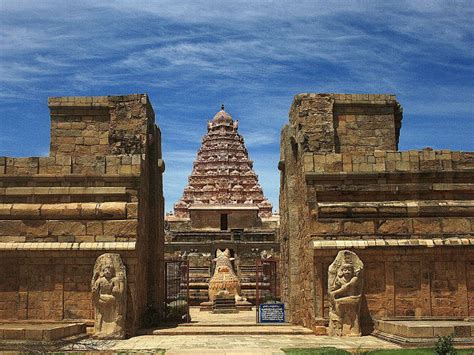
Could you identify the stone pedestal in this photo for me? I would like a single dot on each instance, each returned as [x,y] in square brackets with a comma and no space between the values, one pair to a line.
[224,305]
[206,306]
[243,305]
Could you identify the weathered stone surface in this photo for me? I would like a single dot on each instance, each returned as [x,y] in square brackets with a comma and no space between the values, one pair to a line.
[20,209]
[456,225]
[66,228]
[359,227]
[94,228]
[391,226]
[61,210]
[132,210]
[115,210]
[327,227]
[125,228]
[426,225]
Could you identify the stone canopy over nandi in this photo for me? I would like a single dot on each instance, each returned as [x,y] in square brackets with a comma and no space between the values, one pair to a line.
[223,173]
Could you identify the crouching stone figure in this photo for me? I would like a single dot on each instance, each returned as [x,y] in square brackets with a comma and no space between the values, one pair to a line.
[345,285]
[109,296]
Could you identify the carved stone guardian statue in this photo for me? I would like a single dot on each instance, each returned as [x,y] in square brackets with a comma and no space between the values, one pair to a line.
[109,296]
[345,287]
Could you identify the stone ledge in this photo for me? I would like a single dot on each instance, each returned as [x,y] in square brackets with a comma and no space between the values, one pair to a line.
[223,207]
[376,176]
[26,191]
[68,211]
[93,101]
[363,244]
[62,164]
[39,330]
[424,331]
[68,246]
[425,208]
[353,99]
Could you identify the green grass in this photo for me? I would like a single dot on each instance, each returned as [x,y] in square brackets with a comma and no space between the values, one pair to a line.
[416,352]
[334,351]
[401,352]
[315,351]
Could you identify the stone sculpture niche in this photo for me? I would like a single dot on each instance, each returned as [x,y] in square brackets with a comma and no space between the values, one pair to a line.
[109,296]
[345,287]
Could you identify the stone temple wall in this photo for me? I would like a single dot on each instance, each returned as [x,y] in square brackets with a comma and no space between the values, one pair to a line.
[408,215]
[99,191]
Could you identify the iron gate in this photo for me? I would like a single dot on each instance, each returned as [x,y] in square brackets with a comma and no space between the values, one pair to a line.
[177,291]
[266,281]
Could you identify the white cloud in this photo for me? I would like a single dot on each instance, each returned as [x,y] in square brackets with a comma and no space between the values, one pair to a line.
[253,56]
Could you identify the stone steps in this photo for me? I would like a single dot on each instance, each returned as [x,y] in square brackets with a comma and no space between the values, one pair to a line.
[221,329]
[39,331]
[424,331]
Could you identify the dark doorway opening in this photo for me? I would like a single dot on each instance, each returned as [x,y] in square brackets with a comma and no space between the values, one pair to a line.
[224,222]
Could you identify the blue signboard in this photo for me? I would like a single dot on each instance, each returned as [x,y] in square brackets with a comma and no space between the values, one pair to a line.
[271,313]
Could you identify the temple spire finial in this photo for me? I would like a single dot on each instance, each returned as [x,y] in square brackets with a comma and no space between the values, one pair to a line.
[222,107]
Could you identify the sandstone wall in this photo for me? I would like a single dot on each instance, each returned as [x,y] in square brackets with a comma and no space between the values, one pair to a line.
[99,125]
[294,233]
[53,283]
[345,186]
[100,190]
[404,281]
[346,123]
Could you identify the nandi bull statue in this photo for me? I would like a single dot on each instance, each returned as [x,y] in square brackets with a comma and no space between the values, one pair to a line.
[224,281]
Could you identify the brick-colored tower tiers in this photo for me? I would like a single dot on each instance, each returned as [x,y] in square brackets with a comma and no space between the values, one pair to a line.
[223,173]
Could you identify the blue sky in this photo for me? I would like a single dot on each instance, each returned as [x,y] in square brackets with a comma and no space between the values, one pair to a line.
[253,56]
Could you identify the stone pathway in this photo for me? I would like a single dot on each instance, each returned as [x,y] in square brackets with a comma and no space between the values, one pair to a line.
[229,334]
[234,334]
[233,344]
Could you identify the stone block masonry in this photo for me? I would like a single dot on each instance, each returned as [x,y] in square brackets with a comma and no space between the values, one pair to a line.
[409,215]
[99,190]
[99,125]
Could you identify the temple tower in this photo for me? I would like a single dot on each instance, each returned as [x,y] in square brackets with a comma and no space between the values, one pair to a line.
[222,174]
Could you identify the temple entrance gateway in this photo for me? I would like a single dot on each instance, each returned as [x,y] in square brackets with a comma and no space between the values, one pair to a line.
[222,208]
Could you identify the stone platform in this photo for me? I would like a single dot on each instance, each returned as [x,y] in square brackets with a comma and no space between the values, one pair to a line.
[424,332]
[244,344]
[240,306]
[242,323]
[234,329]
[35,331]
